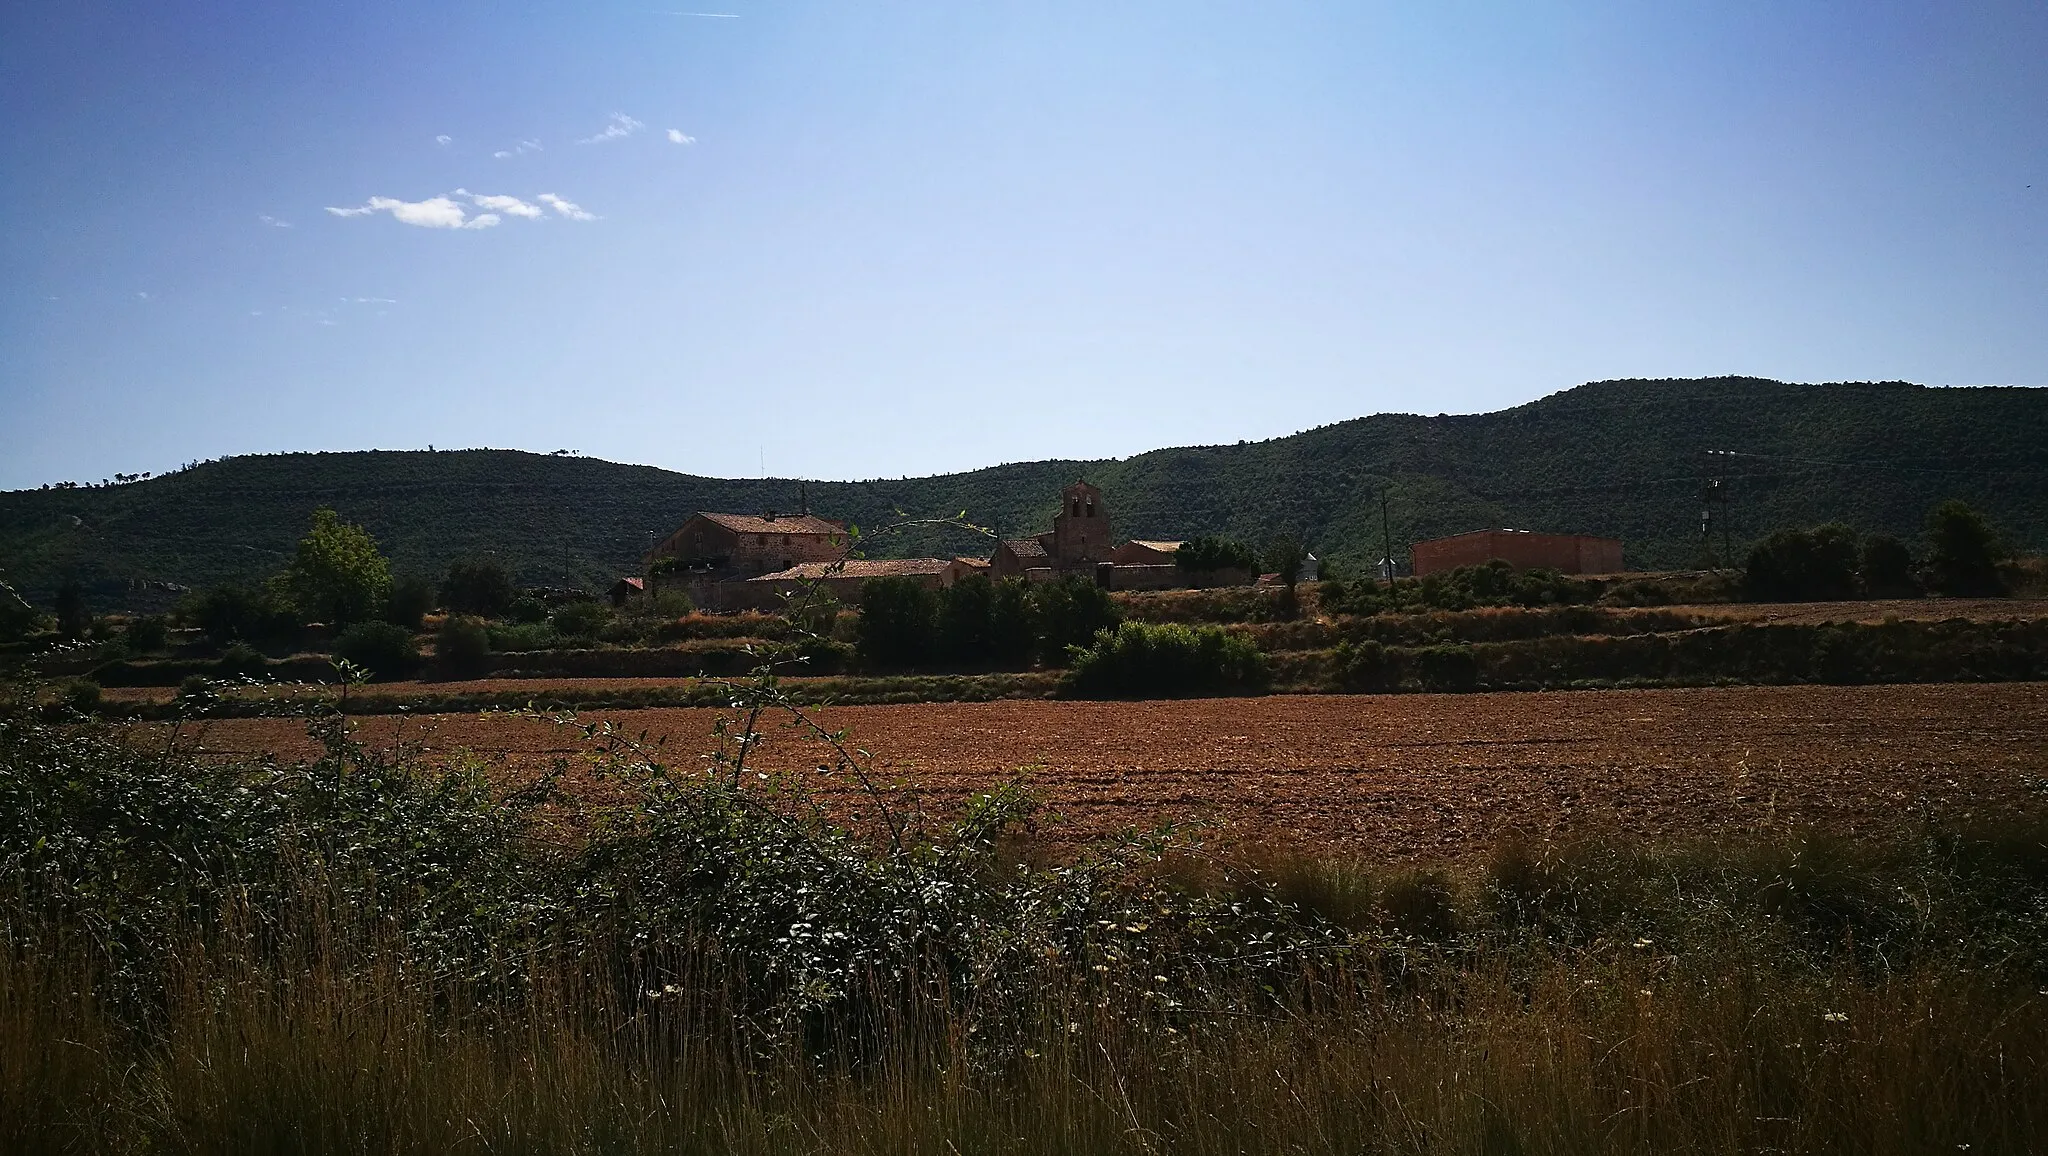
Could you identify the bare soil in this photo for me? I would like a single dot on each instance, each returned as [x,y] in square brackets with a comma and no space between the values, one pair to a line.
[1411,778]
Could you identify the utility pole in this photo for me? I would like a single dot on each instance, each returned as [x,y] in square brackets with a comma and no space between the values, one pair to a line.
[1386,539]
[1714,493]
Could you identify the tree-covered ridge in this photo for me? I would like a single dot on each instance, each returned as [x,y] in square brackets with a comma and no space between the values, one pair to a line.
[1619,458]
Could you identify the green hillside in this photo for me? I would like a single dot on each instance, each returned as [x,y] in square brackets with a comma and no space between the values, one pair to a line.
[1620,458]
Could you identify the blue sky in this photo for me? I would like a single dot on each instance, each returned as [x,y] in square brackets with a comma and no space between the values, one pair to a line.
[860,240]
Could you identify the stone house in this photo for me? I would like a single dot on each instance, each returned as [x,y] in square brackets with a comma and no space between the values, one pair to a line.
[725,546]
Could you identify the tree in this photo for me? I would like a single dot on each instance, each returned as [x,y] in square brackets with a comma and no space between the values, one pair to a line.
[582,618]
[17,617]
[236,611]
[1208,554]
[1886,568]
[384,650]
[72,618]
[410,599]
[462,646]
[1010,628]
[1963,552]
[962,627]
[1070,612]
[337,575]
[1803,566]
[1285,557]
[896,623]
[478,586]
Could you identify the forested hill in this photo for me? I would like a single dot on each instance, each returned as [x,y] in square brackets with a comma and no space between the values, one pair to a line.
[1619,458]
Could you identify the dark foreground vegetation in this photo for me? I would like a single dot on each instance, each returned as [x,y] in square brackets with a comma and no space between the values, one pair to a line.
[357,954]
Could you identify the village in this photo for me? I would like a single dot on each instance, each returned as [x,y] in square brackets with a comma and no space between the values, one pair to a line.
[727,562]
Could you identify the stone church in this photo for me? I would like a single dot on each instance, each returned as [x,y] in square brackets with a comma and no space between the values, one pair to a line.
[1079,543]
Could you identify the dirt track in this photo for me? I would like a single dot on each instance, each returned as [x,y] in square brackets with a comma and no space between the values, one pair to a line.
[1412,777]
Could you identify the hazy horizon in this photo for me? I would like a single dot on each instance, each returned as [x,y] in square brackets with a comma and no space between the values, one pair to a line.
[901,240]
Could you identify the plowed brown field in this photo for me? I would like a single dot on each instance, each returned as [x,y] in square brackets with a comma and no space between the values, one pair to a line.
[1404,777]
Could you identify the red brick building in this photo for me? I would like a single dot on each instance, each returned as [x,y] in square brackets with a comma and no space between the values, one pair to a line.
[1522,549]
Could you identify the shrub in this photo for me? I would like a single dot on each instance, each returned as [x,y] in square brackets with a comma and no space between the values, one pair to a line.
[897,622]
[1963,552]
[82,695]
[1817,565]
[386,651]
[1140,658]
[1885,568]
[238,611]
[1069,613]
[477,586]
[241,660]
[523,637]
[582,619]
[148,634]
[527,610]
[410,599]
[462,646]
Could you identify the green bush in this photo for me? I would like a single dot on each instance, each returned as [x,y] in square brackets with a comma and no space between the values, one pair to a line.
[237,611]
[241,660]
[386,651]
[81,695]
[527,610]
[462,646]
[964,620]
[410,599]
[1140,659]
[523,637]
[1817,565]
[1068,613]
[583,619]
[148,634]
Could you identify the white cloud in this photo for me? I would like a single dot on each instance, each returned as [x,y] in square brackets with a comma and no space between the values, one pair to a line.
[677,136]
[273,222]
[622,126]
[518,150]
[432,213]
[501,204]
[444,140]
[569,209]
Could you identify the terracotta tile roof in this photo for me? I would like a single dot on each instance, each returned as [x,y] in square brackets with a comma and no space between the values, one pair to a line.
[974,563]
[1162,547]
[780,524]
[859,568]
[1025,548]
[635,583]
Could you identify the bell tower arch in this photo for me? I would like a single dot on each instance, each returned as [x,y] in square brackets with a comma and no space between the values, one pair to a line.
[1080,531]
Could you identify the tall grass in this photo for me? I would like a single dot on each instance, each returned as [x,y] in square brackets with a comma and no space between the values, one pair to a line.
[358,954]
